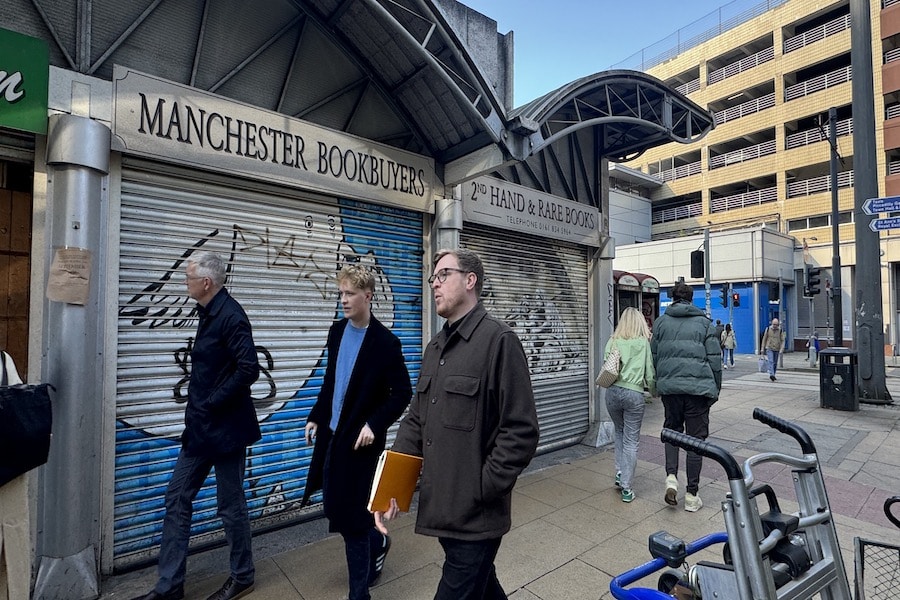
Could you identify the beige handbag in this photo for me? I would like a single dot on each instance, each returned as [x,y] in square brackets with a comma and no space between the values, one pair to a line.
[609,372]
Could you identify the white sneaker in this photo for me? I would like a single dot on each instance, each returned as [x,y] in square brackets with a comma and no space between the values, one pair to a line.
[692,503]
[725,366]
[671,490]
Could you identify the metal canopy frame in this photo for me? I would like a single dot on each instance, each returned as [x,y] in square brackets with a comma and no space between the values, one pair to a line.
[406,79]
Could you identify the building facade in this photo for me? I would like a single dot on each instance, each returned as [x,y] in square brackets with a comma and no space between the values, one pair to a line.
[321,133]
[769,72]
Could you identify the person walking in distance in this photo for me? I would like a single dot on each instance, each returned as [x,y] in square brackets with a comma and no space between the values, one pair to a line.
[729,343]
[474,423]
[625,398]
[772,345]
[366,389]
[688,361]
[219,423]
[720,329]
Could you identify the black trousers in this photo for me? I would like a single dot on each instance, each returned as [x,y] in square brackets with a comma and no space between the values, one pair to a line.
[468,572]
[688,414]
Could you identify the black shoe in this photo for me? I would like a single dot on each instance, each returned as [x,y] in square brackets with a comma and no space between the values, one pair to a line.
[231,590]
[174,594]
[378,557]
[772,377]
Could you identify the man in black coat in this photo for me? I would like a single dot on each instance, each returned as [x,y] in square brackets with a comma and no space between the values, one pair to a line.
[220,422]
[366,389]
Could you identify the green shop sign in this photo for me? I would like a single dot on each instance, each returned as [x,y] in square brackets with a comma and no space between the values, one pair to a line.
[24,75]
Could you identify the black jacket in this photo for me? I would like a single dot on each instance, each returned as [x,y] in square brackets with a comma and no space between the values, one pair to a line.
[220,418]
[378,392]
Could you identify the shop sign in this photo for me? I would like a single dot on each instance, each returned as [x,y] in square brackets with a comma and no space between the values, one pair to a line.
[24,77]
[505,205]
[175,123]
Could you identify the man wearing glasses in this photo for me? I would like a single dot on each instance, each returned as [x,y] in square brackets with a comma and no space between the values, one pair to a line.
[220,422]
[473,420]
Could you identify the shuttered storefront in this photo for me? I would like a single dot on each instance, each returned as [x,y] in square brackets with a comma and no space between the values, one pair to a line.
[283,254]
[540,287]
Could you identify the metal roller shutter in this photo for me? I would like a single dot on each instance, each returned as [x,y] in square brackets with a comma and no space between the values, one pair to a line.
[540,287]
[283,255]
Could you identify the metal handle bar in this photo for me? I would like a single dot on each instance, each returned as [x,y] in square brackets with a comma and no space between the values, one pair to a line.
[764,457]
[887,510]
[616,586]
[779,424]
[718,454]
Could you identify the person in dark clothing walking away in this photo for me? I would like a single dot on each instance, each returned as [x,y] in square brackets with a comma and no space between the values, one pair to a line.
[220,422]
[366,389]
[688,361]
[474,423]
[720,329]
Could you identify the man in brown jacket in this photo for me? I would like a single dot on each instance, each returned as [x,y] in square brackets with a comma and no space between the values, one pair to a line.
[473,420]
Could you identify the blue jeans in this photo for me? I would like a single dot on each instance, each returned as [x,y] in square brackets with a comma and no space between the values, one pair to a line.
[187,478]
[772,355]
[626,409]
[468,572]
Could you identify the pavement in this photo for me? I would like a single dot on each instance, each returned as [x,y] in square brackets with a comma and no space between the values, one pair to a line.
[571,533]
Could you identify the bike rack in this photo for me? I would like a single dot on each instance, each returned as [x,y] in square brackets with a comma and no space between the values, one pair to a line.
[773,556]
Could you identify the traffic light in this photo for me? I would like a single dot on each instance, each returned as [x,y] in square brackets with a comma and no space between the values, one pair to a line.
[813,280]
[735,299]
[697,264]
[724,292]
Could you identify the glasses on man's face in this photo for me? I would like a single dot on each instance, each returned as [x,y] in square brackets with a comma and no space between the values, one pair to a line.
[193,277]
[442,275]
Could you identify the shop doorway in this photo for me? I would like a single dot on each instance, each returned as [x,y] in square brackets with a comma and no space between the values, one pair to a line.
[16,183]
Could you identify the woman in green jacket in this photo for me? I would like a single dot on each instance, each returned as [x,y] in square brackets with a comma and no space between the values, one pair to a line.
[625,398]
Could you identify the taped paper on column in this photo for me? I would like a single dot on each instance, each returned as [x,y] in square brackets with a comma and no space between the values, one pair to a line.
[70,276]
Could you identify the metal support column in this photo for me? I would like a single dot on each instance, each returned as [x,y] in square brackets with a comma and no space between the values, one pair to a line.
[69,507]
[835,232]
[868,313]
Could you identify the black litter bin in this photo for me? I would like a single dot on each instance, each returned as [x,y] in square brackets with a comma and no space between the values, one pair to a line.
[837,379]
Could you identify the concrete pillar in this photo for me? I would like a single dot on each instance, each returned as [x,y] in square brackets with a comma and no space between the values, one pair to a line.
[78,152]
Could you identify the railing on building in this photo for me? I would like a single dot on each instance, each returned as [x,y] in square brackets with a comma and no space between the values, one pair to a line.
[742,155]
[816,84]
[817,185]
[686,211]
[887,3]
[893,111]
[811,136]
[894,167]
[679,172]
[734,201]
[714,24]
[892,55]
[818,33]
[690,86]
[747,108]
[745,64]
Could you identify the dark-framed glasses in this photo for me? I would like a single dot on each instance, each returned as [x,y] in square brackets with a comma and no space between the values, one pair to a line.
[442,275]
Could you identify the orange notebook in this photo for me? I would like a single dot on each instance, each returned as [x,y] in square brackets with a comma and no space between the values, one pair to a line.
[395,477]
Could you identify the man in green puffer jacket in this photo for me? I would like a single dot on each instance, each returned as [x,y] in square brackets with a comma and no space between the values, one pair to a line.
[688,361]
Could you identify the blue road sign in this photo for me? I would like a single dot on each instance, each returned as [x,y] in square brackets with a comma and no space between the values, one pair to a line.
[873,206]
[883,224]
